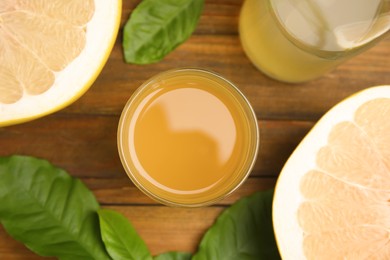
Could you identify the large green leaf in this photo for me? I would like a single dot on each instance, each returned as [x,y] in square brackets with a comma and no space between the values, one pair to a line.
[156,27]
[50,212]
[173,256]
[120,238]
[243,231]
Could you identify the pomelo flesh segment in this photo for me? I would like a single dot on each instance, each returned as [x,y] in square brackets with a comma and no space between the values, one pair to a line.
[20,71]
[337,204]
[374,119]
[37,39]
[353,218]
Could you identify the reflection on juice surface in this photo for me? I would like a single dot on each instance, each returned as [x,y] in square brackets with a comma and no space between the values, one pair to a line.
[188,139]
[185,139]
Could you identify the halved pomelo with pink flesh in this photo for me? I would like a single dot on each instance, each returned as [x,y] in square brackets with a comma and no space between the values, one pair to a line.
[51,51]
[332,196]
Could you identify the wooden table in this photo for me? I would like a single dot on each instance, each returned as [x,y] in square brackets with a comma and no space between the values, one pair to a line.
[82,138]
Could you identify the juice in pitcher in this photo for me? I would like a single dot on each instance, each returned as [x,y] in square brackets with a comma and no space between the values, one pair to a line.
[296,41]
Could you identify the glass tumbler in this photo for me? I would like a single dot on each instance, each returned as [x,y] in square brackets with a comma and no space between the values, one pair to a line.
[188,137]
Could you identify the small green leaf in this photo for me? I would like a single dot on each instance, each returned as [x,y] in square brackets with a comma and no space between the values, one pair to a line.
[173,256]
[50,212]
[243,231]
[120,238]
[156,27]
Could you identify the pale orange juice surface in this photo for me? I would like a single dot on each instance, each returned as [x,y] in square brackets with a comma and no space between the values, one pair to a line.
[188,137]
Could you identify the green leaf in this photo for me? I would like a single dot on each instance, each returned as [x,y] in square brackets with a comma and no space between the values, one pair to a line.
[243,231]
[120,238]
[173,256]
[156,27]
[50,212]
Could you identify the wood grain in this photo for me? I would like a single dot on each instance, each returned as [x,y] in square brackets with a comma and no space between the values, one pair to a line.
[82,138]
[85,145]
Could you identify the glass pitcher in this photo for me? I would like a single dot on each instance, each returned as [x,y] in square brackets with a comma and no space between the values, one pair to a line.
[299,40]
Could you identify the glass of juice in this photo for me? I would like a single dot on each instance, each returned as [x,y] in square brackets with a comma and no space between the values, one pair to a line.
[188,137]
[296,41]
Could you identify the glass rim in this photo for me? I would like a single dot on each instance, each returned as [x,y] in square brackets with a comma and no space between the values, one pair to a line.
[341,54]
[251,119]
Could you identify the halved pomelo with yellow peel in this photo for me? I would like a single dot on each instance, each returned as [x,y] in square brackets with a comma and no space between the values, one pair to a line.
[51,51]
[332,196]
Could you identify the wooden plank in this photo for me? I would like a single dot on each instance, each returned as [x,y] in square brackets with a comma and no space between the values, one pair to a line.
[162,228]
[278,139]
[170,229]
[10,249]
[85,145]
[223,54]
[122,192]
[215,45]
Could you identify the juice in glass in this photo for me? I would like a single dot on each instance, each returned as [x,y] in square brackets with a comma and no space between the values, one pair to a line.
[296,41]
[188,137]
